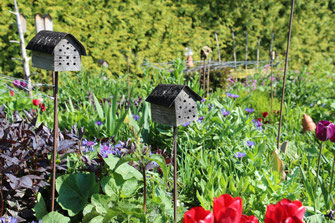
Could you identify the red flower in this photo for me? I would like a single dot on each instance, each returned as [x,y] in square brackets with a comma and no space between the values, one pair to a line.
[198,215]
[227,209]
[285,211]
[36,102]
[265,114]
[42,106]
[248,219]
[12,93]
[259,119]
[266,122]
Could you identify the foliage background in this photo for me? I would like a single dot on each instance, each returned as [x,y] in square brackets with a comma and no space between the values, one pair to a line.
[158,30]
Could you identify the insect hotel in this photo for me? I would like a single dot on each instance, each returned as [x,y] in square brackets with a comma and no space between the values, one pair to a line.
[56,51]
[173,104]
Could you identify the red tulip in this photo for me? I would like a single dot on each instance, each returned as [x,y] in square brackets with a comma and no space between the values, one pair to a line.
[324,130]
[333,137]
[198,215]
[12,93]
[248,219]
[42,106]
[36,102]
[285,211]
[265,114]
[259,119]
[227,209]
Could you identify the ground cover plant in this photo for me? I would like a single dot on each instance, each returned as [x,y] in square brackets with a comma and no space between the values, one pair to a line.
[109,142]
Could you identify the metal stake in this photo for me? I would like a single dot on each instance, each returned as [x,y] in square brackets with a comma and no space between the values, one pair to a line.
[55,73]
[246,48]
[204,77]
[258,44]
[271,63]
[234,53]
[285,71]
[144,191]
[175,134]
[217,45]
[209,69]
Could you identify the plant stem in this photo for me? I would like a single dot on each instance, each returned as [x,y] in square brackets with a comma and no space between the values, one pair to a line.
[144,191]
[331,177]
[317,177]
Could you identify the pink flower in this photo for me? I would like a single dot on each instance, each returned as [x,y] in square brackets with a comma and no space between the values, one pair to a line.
[324,130]
[12,93]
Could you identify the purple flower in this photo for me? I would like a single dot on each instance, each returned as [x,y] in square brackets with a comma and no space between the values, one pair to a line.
[231,80]
[235,96]
[186,124]
[16,83]
[258,124]
[249,110]
[239,155]
[229,95]
[98,123]
[89,145]
[201,118]
[225,112]
[325,130]
[23,84]
[9,220]
[203,100]
[210,106]
[136,117]
[250,143]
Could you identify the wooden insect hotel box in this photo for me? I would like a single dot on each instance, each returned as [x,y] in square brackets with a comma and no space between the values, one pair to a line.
[173,104]
[56,51]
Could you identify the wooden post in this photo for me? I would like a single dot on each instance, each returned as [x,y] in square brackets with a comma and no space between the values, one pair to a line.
[25,59]
[258,44]
[217,45]
[55,146]
[234,53]
[208,76]
[285,72]
[246,48]
[175,134]
[204,77]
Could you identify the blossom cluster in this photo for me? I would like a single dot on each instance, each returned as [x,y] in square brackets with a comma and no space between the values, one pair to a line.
[38,102]
[229,209]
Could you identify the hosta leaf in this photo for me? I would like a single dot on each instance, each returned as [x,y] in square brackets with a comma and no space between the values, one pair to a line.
[40,208]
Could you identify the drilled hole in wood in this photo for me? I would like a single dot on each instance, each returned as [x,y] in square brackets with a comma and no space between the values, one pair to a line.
[67,63]
[75,50]
[74,63]
[179,116]
[188,117]
[192,106]
[68,42]
[189,110]
[67,48]
[184,100]
[60,57]
[60,50]
[74,57]
[67,57]
[60,64]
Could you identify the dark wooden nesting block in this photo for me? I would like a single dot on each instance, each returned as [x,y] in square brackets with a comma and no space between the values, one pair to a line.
[56,51]
[173,104]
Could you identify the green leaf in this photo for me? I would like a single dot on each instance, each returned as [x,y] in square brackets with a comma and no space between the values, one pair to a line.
[40,207]
[101,202]
[98,107]
[127,172]
[74,191]
[111,161]
[55,217]
[129,187]
[159,159]
[111,185]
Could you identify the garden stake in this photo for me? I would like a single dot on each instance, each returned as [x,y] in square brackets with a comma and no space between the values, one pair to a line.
[209,69]
[217,45]
[271,63]
[246,48]
[258,44]
[61,52]
[175,134]
[204,77]
[234,53]
[285,71]
[54,154]
[173,105]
